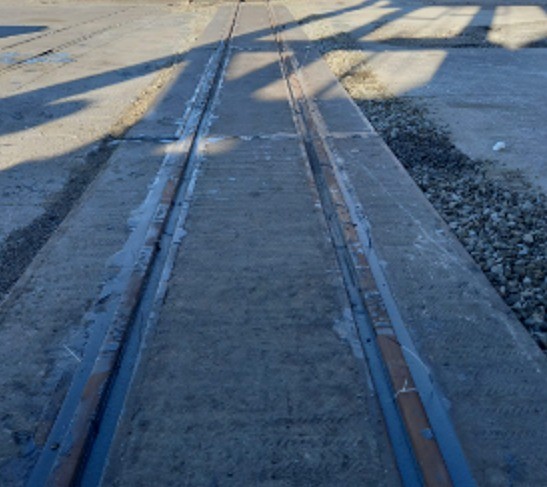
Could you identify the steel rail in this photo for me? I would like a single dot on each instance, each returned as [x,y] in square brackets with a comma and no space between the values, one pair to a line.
[87,413]
[415,442]
[78,424]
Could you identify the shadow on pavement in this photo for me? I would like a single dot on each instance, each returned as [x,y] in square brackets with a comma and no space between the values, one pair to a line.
[16,30]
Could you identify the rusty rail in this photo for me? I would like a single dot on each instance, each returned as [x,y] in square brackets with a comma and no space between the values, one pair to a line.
[415,445]
[70,442]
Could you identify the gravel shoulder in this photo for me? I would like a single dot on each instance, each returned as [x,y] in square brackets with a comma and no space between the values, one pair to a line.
[496,205]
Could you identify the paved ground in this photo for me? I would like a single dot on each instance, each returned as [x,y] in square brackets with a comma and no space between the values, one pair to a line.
[282,390]
[479,67]
[439,83]
[70,76]
[57,110]
[263,390]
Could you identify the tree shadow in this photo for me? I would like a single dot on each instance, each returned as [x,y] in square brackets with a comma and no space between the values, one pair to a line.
[49,104]
[17,30]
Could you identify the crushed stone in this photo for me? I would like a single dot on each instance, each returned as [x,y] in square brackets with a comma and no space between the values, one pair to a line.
[499,218]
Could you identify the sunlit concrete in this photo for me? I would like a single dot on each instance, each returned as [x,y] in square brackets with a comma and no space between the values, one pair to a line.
[514,27]
[403,70]
[480,68]
[425,23]
[70,74]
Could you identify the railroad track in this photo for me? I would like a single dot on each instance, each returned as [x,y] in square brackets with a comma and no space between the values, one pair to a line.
[425,446]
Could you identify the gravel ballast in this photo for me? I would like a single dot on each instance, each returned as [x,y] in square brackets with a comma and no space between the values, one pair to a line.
[499,218]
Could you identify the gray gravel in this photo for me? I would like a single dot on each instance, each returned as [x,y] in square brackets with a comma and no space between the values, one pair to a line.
[500,220]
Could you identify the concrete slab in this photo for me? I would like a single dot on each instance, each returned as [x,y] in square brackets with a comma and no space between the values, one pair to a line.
[486,364]
[261,389]
[43,319]
[468,340]
[479,68]
[57,107]
[253,342]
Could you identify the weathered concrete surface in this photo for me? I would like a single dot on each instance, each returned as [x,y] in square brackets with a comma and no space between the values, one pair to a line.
[238,255]
[490,371]
[491,374]
[244,380]
[261,388]
[56,107]
[43,328]
[478,66]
